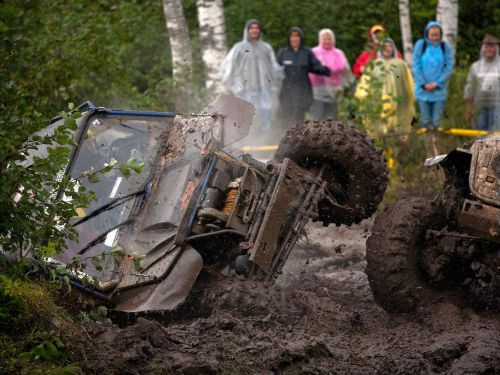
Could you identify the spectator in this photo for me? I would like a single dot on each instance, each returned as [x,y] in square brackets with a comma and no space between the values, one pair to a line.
[482,90]
[395,85]
[296,92]
[432,68]
[375,35]
[327,91]
[250,72]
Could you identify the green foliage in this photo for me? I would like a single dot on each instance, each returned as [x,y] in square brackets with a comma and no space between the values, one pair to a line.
[98,315]
[33,329]
[48,350]
[34,219]
[365,113]
[114,53]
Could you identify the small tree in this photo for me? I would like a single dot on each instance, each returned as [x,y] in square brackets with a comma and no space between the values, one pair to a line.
[405,24]
[213,39]
[180,44]
[447,15]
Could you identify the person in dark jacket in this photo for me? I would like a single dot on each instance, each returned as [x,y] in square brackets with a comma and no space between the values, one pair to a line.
[296,91]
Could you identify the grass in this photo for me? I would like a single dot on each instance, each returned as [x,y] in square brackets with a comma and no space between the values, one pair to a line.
[33,329]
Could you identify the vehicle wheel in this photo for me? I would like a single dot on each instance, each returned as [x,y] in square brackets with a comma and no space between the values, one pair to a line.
[393,251]
[356,171]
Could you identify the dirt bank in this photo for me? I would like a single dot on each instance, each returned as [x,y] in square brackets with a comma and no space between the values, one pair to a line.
[319,318]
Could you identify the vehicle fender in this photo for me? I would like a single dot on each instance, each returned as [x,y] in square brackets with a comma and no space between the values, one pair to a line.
[168,293]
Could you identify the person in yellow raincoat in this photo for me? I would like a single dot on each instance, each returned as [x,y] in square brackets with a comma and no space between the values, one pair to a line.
[389,79]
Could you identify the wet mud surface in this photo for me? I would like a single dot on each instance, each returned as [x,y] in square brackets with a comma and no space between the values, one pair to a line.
[319,318]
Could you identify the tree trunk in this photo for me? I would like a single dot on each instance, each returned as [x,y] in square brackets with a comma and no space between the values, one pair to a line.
[180,44]
[447,15]
[213,39]
[405,24]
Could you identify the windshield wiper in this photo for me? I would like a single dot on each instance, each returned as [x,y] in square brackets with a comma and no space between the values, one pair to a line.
[108,206]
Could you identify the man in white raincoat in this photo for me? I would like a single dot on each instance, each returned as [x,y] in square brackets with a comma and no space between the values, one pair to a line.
[482,91]
[250,71]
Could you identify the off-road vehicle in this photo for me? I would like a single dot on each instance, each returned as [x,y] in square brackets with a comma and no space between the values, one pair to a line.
[423,249]
[201,204]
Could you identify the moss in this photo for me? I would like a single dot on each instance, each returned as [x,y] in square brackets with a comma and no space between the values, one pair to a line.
[33,329]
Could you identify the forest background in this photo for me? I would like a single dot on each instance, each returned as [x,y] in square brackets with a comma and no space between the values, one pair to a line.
[116,53]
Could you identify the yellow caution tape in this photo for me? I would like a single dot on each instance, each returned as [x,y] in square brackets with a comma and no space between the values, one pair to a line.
[260,148]
[457,131]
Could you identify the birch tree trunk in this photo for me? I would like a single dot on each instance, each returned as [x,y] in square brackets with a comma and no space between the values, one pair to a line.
[447,15]
[180,44]
[213,39]
[405,24]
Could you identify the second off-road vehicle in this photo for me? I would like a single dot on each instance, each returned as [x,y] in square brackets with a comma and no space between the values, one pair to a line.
[424,248]
[201,204]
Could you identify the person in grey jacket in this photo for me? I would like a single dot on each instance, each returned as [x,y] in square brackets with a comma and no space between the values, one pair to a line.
[482,90]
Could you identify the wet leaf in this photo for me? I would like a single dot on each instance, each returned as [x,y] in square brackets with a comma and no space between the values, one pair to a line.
[93,178]
[125,170]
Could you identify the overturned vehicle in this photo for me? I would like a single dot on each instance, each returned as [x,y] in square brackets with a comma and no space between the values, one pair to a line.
[421,249]
[200,204]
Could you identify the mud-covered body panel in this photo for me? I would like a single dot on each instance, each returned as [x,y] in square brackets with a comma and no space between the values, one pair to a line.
[484,178]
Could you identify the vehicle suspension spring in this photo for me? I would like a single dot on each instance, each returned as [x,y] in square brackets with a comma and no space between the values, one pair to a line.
[230,200]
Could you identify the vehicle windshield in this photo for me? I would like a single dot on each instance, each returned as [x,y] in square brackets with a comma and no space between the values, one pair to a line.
[107,138]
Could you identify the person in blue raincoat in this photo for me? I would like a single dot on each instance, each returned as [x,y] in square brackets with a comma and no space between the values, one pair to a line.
[432,68]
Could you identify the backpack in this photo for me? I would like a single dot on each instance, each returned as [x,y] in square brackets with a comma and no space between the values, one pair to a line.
[443,49]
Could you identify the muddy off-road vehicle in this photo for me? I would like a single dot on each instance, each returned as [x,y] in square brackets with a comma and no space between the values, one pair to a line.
[422,249]
[200,204]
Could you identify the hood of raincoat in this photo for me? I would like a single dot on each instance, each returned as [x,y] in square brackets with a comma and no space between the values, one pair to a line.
[374,29]
[380,54]
[428,26]
[247,26]
[298,30]
[251,67]
[489,39]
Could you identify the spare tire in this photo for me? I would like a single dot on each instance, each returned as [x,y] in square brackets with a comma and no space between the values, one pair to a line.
[357,172]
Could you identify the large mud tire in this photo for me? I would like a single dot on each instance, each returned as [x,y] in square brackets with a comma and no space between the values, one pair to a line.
[393,251]
[358,166]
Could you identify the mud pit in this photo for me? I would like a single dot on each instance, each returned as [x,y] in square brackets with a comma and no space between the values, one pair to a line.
[320,318]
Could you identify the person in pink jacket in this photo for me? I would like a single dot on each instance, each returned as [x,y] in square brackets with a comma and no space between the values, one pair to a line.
[327,90]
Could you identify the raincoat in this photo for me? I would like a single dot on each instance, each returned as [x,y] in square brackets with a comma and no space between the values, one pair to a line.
[483,88]
[296,91]
[396,90]
[370,53]
[483,82]
[251,67]
[329,88]
[432,66]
